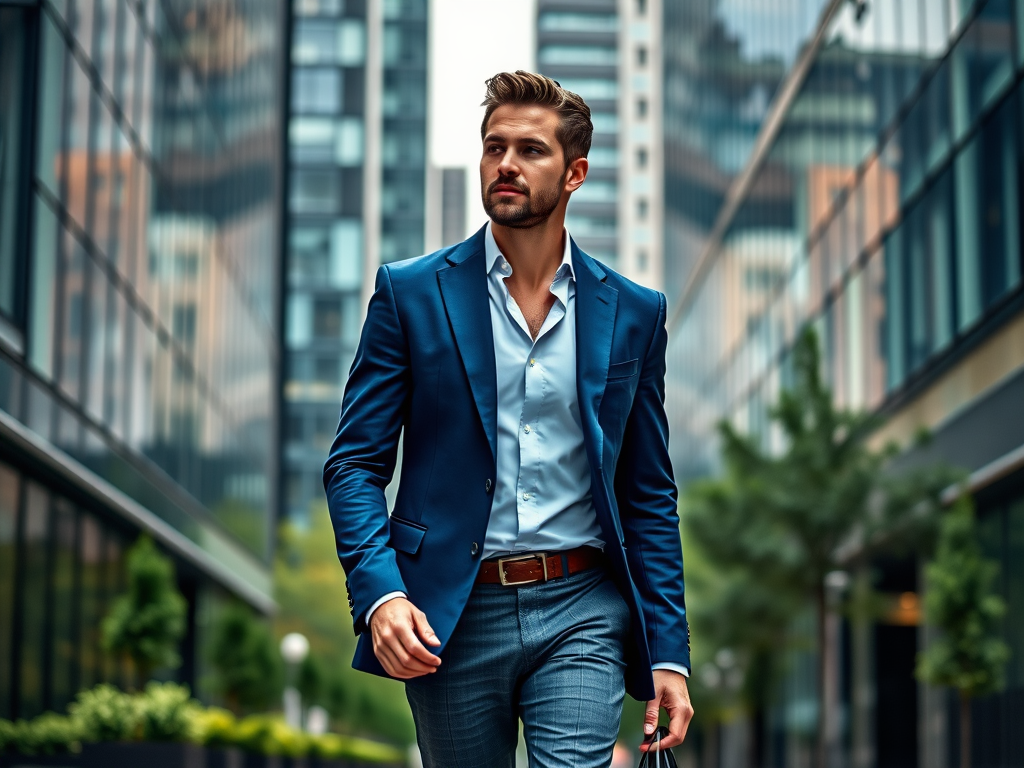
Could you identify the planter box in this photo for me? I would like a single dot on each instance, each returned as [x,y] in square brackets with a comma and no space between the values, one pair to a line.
[170,755]
[54,761]
[147,754]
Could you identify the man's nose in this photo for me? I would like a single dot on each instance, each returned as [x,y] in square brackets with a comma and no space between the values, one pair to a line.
[508,165]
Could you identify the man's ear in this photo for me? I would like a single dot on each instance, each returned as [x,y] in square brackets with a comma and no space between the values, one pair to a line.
[576,174]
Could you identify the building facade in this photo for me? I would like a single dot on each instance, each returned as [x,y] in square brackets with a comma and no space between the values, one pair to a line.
[609,52]
[866,180]
[141,190]
[358,183]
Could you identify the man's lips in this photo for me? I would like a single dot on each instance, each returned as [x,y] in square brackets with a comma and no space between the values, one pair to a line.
[505,189]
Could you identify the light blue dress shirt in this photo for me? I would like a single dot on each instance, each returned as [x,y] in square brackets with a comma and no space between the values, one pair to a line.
[542,496]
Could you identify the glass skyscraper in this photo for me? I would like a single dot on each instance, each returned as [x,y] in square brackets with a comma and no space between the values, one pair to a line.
[358,158]
[857,167]
[609,52]
[141,178]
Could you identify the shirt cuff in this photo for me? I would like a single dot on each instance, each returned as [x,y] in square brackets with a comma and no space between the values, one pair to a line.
[379,603]
[684,671]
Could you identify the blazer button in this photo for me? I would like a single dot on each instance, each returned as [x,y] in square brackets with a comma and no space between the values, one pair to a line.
[487,485]
[474,549]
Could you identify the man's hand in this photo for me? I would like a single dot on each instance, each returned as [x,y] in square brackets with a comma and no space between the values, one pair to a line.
[669,693]
[394,627]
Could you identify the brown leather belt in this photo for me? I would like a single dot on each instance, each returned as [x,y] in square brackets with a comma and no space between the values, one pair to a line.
[517,570]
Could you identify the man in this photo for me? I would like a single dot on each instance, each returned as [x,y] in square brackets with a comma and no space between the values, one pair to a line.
[531,568]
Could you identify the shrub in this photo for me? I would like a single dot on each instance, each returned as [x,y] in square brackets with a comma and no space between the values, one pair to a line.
[331,746]
[48,734]
[148,621]
[269,735]
[106,714]
[246,661]
[214,727]
[167,713]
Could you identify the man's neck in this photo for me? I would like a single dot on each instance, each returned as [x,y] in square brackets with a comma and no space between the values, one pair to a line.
[534,253]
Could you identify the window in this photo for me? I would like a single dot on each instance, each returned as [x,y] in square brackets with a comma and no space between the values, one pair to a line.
[641,55]
[578,22]
[13,191]
[315,191]
[641,157]
[9,487]
[316,91]
[596,55]
[641,7]
[603,157]
[315,41]
[641,108]
[642,208]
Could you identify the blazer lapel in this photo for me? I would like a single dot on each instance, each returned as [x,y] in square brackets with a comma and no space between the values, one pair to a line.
[464,291]
[596,304]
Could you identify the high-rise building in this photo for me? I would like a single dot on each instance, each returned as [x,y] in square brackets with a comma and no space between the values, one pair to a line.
[857,168]
[141,179]
[358,182]
[609,52]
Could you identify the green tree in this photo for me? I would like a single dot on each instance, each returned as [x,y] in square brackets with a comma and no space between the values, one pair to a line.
[777,522]
[309,587]
[247,667]
[969,653]
[148,621]
[310,681]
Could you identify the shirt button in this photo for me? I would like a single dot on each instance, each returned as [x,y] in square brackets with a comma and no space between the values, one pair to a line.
[526,429]
[526,496]
[474,549]
[487,485]
[533,361]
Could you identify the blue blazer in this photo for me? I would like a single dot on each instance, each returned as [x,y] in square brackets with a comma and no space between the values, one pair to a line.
[425,365]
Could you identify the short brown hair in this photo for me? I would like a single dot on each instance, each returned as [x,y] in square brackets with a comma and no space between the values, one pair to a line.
[575,130]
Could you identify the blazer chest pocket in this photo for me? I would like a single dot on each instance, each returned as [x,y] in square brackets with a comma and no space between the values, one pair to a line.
[406,536]
[622,371]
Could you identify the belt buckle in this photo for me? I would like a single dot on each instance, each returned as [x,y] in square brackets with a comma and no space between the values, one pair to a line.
[542,556]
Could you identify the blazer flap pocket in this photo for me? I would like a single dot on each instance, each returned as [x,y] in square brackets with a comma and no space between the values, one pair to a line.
[406,536]
[623,370]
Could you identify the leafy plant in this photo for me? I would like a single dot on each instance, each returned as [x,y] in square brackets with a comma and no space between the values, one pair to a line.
[969,653]
[48,734]
[167,712]
[248,667]
[778,522]
[270,735]
[147,623]
[104,713]
[310,682]
[214,727]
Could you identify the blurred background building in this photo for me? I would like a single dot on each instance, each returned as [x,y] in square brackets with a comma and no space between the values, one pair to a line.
[141,182]
[357,199]
[856,165]
[609,52]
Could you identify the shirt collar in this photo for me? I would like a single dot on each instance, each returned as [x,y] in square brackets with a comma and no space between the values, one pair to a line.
[496,261]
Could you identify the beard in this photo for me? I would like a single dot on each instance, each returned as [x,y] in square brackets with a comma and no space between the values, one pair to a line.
[534,209]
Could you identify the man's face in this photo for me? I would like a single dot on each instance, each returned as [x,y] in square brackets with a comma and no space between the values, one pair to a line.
[522,171]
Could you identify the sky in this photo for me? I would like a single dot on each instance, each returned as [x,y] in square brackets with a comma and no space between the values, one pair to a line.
[470,40]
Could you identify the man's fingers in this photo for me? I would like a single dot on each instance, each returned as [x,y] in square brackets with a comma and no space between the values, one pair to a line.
[398,663]
[677,726]
[651,716]
[415,648]
[423,628]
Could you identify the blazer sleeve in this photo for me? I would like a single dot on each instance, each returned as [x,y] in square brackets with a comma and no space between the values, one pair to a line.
[648,508]
[362,458]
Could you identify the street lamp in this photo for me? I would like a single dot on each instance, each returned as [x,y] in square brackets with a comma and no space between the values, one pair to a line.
[294,649]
